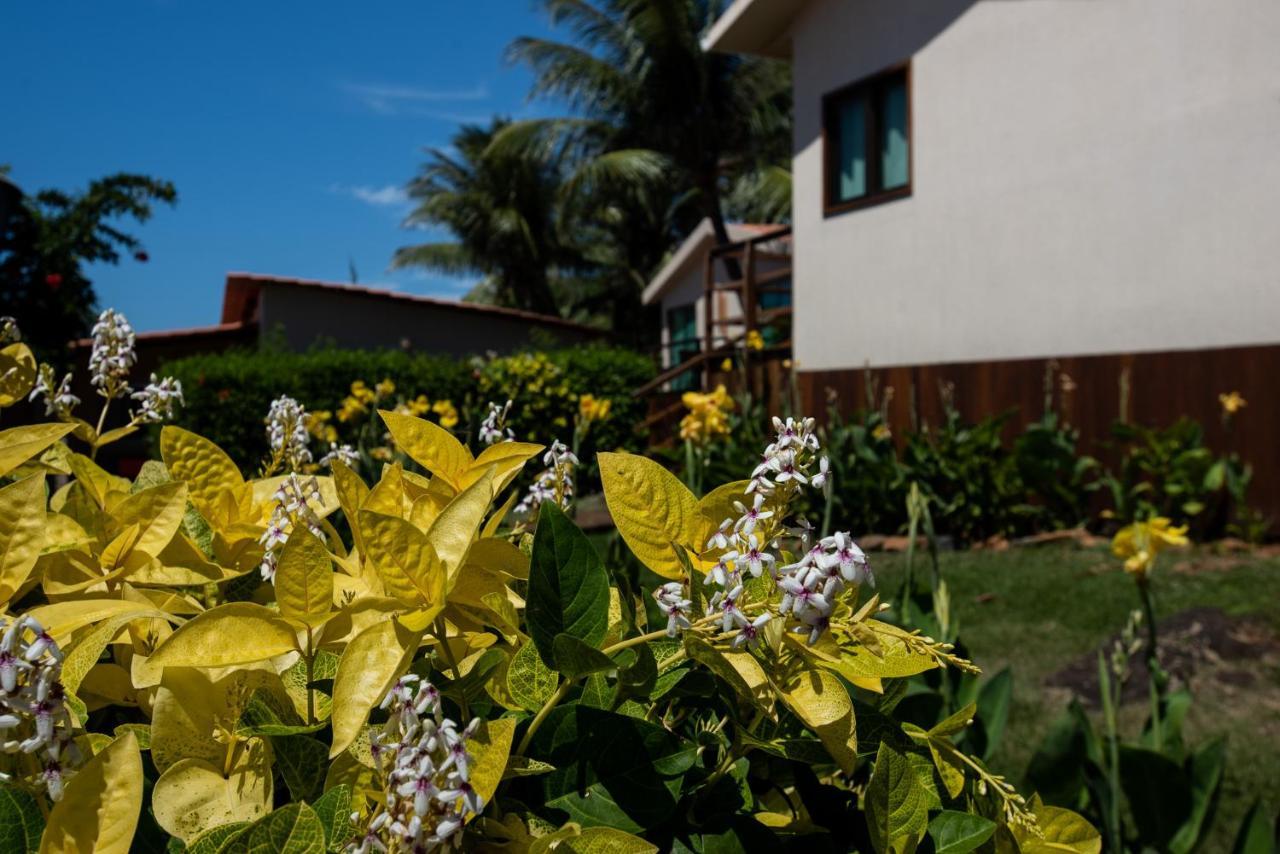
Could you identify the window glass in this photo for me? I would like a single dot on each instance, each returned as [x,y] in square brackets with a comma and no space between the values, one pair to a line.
[893,130]
[851,133]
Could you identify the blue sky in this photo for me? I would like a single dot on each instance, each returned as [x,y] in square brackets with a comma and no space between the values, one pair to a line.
[289,128]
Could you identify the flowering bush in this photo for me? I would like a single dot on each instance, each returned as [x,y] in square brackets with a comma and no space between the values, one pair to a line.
[315,662]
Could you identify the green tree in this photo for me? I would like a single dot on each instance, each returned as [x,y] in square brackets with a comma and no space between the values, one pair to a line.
[47,239]
[501,208]
[651,104]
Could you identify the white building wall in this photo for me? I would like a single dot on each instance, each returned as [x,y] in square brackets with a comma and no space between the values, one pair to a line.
[1089,176]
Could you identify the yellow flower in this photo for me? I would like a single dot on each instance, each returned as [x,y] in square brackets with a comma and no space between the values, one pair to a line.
[881,432]
[318,423]
[708,415]
[361,392]
[590,409]
[755,341]
[419,405]
[381,453]
[351,409]
[1232,402]
[386,388]
[1139,544]
[448,414]
[726,365]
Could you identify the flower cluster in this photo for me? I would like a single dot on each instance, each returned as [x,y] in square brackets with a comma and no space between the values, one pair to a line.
[34,717]
[555,483]
[1139,544]
[493,428]
[425,767]
[708,416]
[342,453]
[745,546]
[9,331]
[113,355]
[158,400]
[292,508]
[592,409]
[287,432]
[58,399]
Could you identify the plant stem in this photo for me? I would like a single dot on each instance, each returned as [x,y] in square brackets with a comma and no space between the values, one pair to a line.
[1113,755]
[1155,674]
[442,637]
[311,700]
[97,431]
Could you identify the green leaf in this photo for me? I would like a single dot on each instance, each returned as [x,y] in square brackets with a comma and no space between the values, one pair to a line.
[568,585]
[574,658]
[295,829]
[959,832]
[1158,794]
[1206,775]
[993,710]
[530,682]
[302,762]
[215,841]
[610,770]
[334,812]
[1255,834]
[896,804]
[21,821]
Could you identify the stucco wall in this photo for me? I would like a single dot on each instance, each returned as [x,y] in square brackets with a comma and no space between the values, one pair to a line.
[308,314]
[1090,176]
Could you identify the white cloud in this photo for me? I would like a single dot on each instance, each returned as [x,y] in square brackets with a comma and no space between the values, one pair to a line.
[393,100]
[389,196]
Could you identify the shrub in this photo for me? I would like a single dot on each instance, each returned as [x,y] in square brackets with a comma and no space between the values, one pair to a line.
[435,677]
[228,394]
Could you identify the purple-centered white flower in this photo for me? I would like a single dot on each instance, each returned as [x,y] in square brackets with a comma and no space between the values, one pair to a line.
[34,716]
[113,354]
[287,432]
[158,400]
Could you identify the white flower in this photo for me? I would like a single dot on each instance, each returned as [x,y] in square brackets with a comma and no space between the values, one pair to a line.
[556,479]
[33,712]
[292,507]
[749,517]
[58,399]
[158,400]
[720,539]
[754,556]
[9,331]
[287,432]
[113,355]
[749,635]
[493,429]
[344,454]
[820,479]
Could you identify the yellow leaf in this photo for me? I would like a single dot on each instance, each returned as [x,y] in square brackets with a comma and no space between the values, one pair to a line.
[352,491]
[85,653]
[193,796]
[190,708]
[717,505]
[507,458]
[99,809]
[115,435]
[96,481]
[369,666]
[19,444]
[205,467]
[456,526]
[387,496]
[157,512]
[61,532]
[22,518]
[429,445]
[489,750]
[403,558]
[238,633]
[17,373]
[498,555]
[1064,832]
[62,619]
[818,699]
[304,578]
[496,517]
[652,509]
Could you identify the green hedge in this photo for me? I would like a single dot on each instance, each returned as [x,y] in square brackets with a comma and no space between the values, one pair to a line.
[228,394]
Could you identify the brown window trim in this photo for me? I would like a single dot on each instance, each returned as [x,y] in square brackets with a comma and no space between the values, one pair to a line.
[872,197]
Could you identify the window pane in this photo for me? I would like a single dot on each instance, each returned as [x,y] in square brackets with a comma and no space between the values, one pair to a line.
[893,139]
[851,142]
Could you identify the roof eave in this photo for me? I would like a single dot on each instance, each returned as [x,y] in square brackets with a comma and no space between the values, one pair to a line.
[757,27]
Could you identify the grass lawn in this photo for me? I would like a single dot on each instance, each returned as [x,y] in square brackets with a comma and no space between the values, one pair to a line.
[1037,609]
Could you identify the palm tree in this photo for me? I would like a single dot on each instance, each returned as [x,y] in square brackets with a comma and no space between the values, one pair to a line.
[501,208]
[650,103]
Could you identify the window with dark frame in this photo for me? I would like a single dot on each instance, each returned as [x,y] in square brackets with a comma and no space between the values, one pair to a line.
[866,129]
